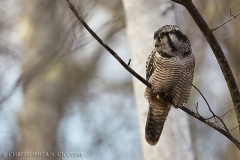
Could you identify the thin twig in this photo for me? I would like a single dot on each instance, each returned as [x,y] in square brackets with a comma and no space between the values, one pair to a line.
[202,96]
[234,128]
[129,62]
[197,116]
[205,102]
[233,17]
[196,106]
[209,118]
[229,110]
[216,127]
[213,114]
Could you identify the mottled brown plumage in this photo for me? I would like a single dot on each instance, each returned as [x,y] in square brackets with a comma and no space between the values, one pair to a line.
[170,69]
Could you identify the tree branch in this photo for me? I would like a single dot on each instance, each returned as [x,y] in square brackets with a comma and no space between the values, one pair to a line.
[217,50]
[233,17]
[197,116]
[72,7]
[202,119]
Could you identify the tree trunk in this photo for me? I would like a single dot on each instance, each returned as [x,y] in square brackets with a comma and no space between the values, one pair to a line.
[46,80]
[143,19]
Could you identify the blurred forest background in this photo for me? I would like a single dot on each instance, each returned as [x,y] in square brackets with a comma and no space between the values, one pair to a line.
[73,96]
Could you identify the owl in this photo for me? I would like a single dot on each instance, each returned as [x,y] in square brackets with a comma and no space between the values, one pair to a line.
[169,69]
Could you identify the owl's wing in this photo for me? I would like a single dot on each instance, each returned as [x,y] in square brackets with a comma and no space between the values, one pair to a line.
[181,90]
[150,65]
[187,77]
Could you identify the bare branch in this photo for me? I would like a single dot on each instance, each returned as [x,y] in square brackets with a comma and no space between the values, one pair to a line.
[222,116]
[73,9]
[214,116]
[202,96]
[234,128]
[197,116]
[233,17]
[196,106]
[211,124]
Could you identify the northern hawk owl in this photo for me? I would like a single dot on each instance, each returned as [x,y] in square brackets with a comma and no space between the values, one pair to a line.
[169,69]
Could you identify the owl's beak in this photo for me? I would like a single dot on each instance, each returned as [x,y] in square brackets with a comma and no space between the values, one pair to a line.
[156,43]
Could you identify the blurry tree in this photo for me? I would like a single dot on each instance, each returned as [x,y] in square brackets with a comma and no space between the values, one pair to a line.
[48,80]
[62,68]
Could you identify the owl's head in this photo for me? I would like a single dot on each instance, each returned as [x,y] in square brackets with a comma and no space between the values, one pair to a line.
[169,41]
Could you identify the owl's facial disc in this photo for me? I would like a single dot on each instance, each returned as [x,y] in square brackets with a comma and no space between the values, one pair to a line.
[162,44]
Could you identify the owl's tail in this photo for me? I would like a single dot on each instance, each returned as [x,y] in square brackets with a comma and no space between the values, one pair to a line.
[157,115]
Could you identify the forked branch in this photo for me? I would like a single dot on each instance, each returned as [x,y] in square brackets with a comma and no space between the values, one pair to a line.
[233,17]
